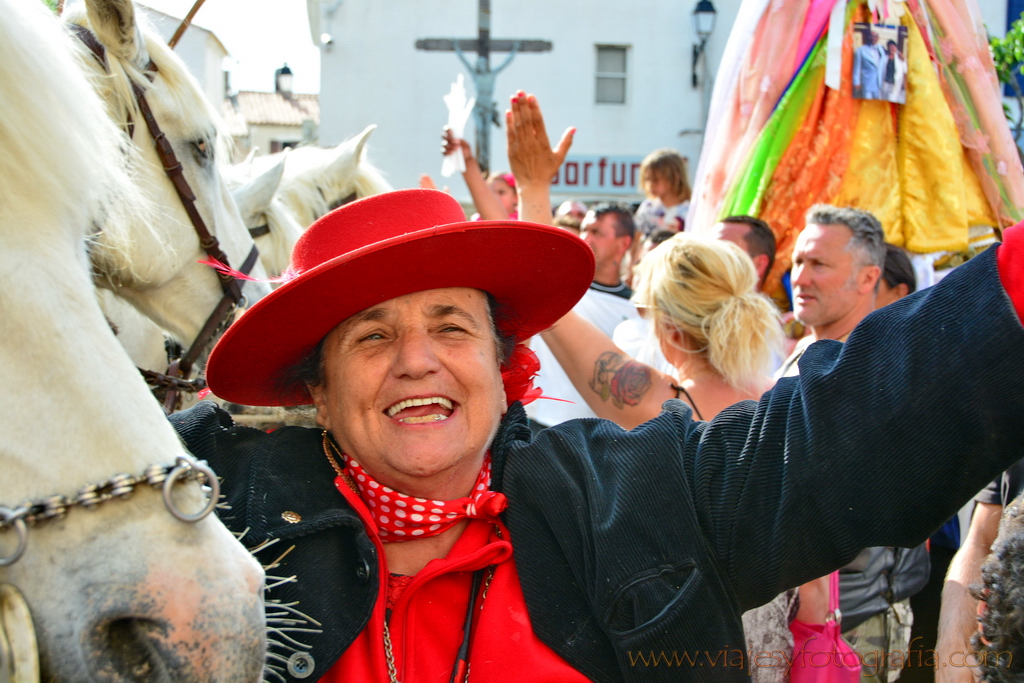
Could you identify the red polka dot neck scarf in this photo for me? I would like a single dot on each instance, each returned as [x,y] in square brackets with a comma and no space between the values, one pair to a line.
[401,517]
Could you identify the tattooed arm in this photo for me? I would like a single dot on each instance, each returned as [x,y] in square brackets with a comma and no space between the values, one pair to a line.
[615,386]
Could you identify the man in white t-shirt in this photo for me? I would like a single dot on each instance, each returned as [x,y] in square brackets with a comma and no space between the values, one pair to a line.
[609,230]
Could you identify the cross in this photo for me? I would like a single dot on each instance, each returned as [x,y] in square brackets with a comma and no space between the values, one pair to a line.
[486,110]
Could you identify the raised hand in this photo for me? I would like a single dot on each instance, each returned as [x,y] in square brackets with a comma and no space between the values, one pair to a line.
[450,143]
[529,151]
[534,162]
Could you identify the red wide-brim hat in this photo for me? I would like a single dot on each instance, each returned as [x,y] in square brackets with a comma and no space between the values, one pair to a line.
[383,247]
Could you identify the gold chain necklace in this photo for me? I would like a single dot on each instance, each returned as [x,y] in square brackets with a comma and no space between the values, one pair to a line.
[328,447]
[389,654]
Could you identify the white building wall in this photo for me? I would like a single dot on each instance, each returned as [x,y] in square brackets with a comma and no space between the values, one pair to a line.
[993,13]
[372,73]
[199,48]
[263,136]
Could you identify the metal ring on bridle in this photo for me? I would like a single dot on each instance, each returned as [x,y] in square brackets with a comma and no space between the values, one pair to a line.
[188,466]
[15,519]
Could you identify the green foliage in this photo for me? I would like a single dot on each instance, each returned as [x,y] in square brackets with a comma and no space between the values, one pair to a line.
[1008,52]
[52,4]
[1008,55]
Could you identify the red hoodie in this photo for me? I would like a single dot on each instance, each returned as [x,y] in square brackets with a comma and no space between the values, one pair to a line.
[428,615]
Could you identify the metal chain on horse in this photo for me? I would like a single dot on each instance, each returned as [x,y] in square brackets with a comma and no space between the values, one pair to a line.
[175,379]
[120,486]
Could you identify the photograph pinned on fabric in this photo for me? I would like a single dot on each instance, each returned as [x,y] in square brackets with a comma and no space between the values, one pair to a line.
[880,62]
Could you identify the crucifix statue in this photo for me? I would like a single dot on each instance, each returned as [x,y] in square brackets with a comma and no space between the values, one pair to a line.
[485,112]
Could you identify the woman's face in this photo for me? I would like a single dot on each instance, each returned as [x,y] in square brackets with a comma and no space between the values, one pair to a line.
[506,193]
[413,390]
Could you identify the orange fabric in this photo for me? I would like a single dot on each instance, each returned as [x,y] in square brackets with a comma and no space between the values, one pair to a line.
[812,168]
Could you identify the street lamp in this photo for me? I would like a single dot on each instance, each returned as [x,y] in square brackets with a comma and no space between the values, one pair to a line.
[283,81]
[703,24]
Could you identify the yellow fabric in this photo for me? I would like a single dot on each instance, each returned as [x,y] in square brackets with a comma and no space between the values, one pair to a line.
[979,211]
[923,189]
[872,181]
[930,159]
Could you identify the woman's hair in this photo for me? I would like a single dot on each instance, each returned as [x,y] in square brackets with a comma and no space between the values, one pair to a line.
[667,164]
[506,176]
[998,646]
[706,290]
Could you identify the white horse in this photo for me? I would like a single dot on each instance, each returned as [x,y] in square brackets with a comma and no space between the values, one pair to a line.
[274,231]
[162,277]
[317,180]
[314,181]
[269,221]
[124,591]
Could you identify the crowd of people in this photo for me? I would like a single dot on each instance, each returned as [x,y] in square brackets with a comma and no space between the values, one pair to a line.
[439,531]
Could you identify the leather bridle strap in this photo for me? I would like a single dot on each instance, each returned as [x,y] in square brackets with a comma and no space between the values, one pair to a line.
[172,167]
[174,379]
[220,313]
[174,171]
[218,321]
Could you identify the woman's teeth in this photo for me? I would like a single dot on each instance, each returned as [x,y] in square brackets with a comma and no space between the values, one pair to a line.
[423,418]
[411,402]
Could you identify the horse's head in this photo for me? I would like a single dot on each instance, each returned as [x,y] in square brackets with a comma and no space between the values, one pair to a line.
[319,180]
[160,274]
[269,222]
[123,591]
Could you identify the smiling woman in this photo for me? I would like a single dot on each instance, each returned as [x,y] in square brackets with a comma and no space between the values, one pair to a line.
[414,387]
[401,514]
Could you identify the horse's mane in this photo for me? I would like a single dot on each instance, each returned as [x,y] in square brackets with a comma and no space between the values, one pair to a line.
[54,170]
[285,231]
[311,192]
[183,89]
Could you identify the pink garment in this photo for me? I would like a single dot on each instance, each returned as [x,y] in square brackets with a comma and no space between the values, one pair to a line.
[766,71]
[814,23]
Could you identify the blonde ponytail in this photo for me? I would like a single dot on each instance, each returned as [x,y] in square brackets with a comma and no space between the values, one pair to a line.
[705,289]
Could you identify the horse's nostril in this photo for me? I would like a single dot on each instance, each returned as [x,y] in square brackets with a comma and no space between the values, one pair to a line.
[129,650]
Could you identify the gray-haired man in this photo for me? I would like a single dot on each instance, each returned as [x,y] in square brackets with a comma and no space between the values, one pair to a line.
[837,264]
[837,261]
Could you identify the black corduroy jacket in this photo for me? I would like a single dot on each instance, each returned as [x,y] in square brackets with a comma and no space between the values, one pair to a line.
[637,551]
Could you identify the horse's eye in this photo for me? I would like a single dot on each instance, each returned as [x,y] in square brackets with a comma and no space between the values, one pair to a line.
[203,149]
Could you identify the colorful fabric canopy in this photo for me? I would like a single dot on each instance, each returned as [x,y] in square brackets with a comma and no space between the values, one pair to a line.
[929,169]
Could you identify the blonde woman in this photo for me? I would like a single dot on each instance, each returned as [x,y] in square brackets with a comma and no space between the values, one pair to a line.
[719,333]
[712,325]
